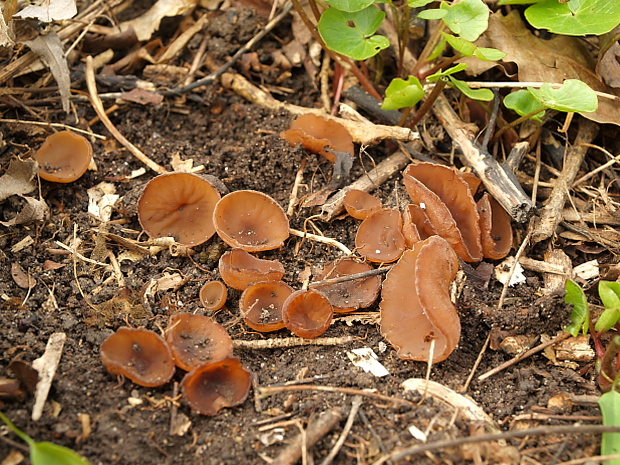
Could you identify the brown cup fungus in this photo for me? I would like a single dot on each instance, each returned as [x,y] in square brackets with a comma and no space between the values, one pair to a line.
[360,205]
[138,354]
[349,295]
[261,305]
[416,310]
[180,205]
[251,220]
[239,269]
[496,228]
[380,237]
[211,387]
[307,313]
[213,295]
[64,157]
[196,340]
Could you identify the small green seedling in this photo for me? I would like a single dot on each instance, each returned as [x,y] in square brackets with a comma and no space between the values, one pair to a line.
[46,453]
[609,404]
[580,314]
[468,18]
[475,94]
[609,292]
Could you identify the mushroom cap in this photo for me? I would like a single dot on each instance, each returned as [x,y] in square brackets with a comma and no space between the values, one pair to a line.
[64,157]
[209,388]
[496,228]
[416,225]
[380,237]
[239,269]
[307,313]
[360,205]
[349,295]
[138,354]
[179,205]
[251,220]
[415,302]
[261,305]
[213,295]
[196,339]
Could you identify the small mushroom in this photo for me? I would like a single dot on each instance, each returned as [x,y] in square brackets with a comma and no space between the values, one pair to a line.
[213,295]
[239,269]
[496,228]
[415,302]
[196,340]
[251,221]
[360,205]
[261,305]
[64,157]
[180,205]
[138,354]
[209,388]
[307,313]
[380,237]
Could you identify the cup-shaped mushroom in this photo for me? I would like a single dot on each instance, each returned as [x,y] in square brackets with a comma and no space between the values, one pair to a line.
[213,295]
[211,387]
[496,228]
[179,205]
[416,225]
[380,237]
[64,157]
[261,305]
[251,221]
[348,296]
[307,313]
[239,269]
[138,354]
[316,133]
[416,311]
[196,340]
[360,205]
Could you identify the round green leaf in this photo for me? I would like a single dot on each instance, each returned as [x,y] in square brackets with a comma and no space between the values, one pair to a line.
[401,94]
[432,14]
[573,95]
[523,103]
[517,2]
[576,17]
[352,34]
[447,72]
[350,5]
[475,94]
[48,453]
[418,3]
[460,45]
[468,18]
[489,54]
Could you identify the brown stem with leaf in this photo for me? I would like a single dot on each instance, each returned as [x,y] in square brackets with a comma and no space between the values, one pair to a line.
[516,122]
[428,103]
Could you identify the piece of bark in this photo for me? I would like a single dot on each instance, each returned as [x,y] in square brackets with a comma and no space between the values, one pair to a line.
[554,281]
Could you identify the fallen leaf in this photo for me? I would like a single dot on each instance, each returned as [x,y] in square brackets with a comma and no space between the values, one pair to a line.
[34,211]
[142,97]
[608,66]
[49,10]
[146,24]
[21,278]
[50,265]
[19,178]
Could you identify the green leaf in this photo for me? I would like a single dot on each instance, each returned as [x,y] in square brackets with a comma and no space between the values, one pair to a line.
[609,292]
[489,54]
[580,315]
[523,103]
[48,453]
[476,94]
[350,5]
[576,17]
[607,320]
[400,93]
[609,404]
[437,50]
[352,34]
[468,18]
[573,95]
[432,14]
[460,45]
[518,2]
[447,72]
[418,3]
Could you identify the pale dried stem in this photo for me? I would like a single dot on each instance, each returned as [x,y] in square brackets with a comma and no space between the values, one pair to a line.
[53,125]
[285,342]
[322,239]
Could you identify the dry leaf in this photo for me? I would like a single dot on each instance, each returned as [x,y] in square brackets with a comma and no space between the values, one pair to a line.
[21,278]
[145,25]
[6,39]
[19,178]
[50,265]
[34,210]
[49,10]
[608,67]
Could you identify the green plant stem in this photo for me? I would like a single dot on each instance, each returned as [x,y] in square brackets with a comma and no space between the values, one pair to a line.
[403,36]
[23,436]
[444,64]
[406,114]
[428,49]
[428,103]
[516,122]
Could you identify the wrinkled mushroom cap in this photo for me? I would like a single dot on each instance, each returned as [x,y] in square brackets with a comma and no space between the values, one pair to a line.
[261,305]
[196,340]
[380,237]
[213,295]
[64,157]
[307,313]
[360,205]
[251,220]
[496,228]
[179,205]
[239,269]
[211,387]
[138,354]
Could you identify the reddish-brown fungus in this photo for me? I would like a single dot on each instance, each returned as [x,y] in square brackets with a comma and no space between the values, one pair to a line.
[380,237]
[211,387]
[307,313]
[239,269]
[360,205]
[180,205]
[316,133]
[496,228]
[416,307]
[213,295]
[416,225]
[349,295]
[196,340]
[251,221]
[138,354]
[261,305]
[64,157]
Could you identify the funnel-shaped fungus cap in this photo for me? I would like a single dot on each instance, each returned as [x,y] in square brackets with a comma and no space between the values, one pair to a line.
[380,236]
[179,205]
[307,313]
[496,228]
[213,295]
[349,295]
[360,205]
[64,157]
[251,221]
[138,354]
[415,302]
[196,340]
[239,269]
[447,201]
[261,305]
[211,387]
[316,133]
